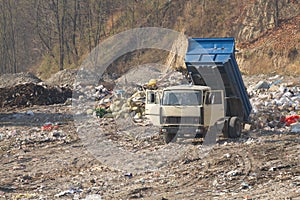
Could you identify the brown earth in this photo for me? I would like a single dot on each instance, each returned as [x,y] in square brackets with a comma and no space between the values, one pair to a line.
[43,156]
[41,163]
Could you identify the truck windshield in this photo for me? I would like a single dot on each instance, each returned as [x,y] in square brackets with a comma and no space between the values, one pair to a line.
[182,98]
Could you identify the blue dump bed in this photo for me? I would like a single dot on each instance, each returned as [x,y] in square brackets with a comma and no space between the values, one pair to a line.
[211,62]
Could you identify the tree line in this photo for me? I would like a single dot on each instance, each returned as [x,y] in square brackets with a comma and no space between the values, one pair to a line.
[60,30]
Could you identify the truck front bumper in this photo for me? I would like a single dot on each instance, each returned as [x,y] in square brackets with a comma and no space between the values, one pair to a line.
[183,130]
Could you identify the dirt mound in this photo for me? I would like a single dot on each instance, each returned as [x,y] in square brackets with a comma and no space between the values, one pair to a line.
[63,78]
[10,80]
[67,77]
[140,75]
[29,94]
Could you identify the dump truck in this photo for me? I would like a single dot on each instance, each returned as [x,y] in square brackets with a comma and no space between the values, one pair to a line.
[216,96]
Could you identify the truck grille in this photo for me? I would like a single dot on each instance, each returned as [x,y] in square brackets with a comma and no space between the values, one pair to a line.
[181,120]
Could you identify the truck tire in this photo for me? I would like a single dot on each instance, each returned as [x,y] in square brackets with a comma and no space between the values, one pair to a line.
[235,127]
[226,129]
[168,137]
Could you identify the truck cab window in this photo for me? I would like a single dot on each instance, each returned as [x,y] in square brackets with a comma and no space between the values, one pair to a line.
[185,98]
[217,98]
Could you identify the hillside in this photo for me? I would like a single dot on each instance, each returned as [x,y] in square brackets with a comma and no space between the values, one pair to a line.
[267,33]
[276,50]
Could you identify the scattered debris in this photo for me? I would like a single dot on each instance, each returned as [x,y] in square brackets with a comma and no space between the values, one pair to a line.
[274,109]
[279,167]
[46,157]
[288,120]
[70,191]
[30,113]
[93,197]
[262,85]
[129,175]
[245,186]
[49,126]
[26,196]
[295,127]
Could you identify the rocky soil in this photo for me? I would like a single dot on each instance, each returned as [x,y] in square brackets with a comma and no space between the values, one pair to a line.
[43,157]
[9,80]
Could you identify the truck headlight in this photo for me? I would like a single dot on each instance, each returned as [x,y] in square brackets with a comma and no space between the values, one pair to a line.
[163,130]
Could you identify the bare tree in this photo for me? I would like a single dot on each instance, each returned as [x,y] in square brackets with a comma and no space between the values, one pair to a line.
[74,20]
[8,37]
[276,13]
[59,9]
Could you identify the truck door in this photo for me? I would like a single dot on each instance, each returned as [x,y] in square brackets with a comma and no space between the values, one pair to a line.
[213,107]
[152,107]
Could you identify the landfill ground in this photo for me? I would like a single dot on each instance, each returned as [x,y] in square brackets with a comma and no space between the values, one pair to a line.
[49,161]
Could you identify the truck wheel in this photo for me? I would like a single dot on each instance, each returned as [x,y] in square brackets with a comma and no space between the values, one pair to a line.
[168,137]
[226,129]
[235,127]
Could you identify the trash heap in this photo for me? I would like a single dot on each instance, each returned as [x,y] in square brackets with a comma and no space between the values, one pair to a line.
[276,105]
[118,103]
[128,100]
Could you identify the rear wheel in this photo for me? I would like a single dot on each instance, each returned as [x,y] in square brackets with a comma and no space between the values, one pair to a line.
[235,127]
[225,129]
[202,133]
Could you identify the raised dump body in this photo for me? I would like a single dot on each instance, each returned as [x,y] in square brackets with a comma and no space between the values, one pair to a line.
[211,62]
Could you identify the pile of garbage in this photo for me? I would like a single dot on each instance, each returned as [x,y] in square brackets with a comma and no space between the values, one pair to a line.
[128,99]
[118,103]
[28,94]
[276,105]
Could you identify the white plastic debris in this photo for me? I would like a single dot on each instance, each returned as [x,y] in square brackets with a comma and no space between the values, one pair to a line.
[262,85]
[233,173]
[227,155]
[250,141]
[93,197]
[295,128]
[66,192]
[30,113]
[274,77]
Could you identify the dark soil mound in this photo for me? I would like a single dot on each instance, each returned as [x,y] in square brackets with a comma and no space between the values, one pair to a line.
[29,94]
